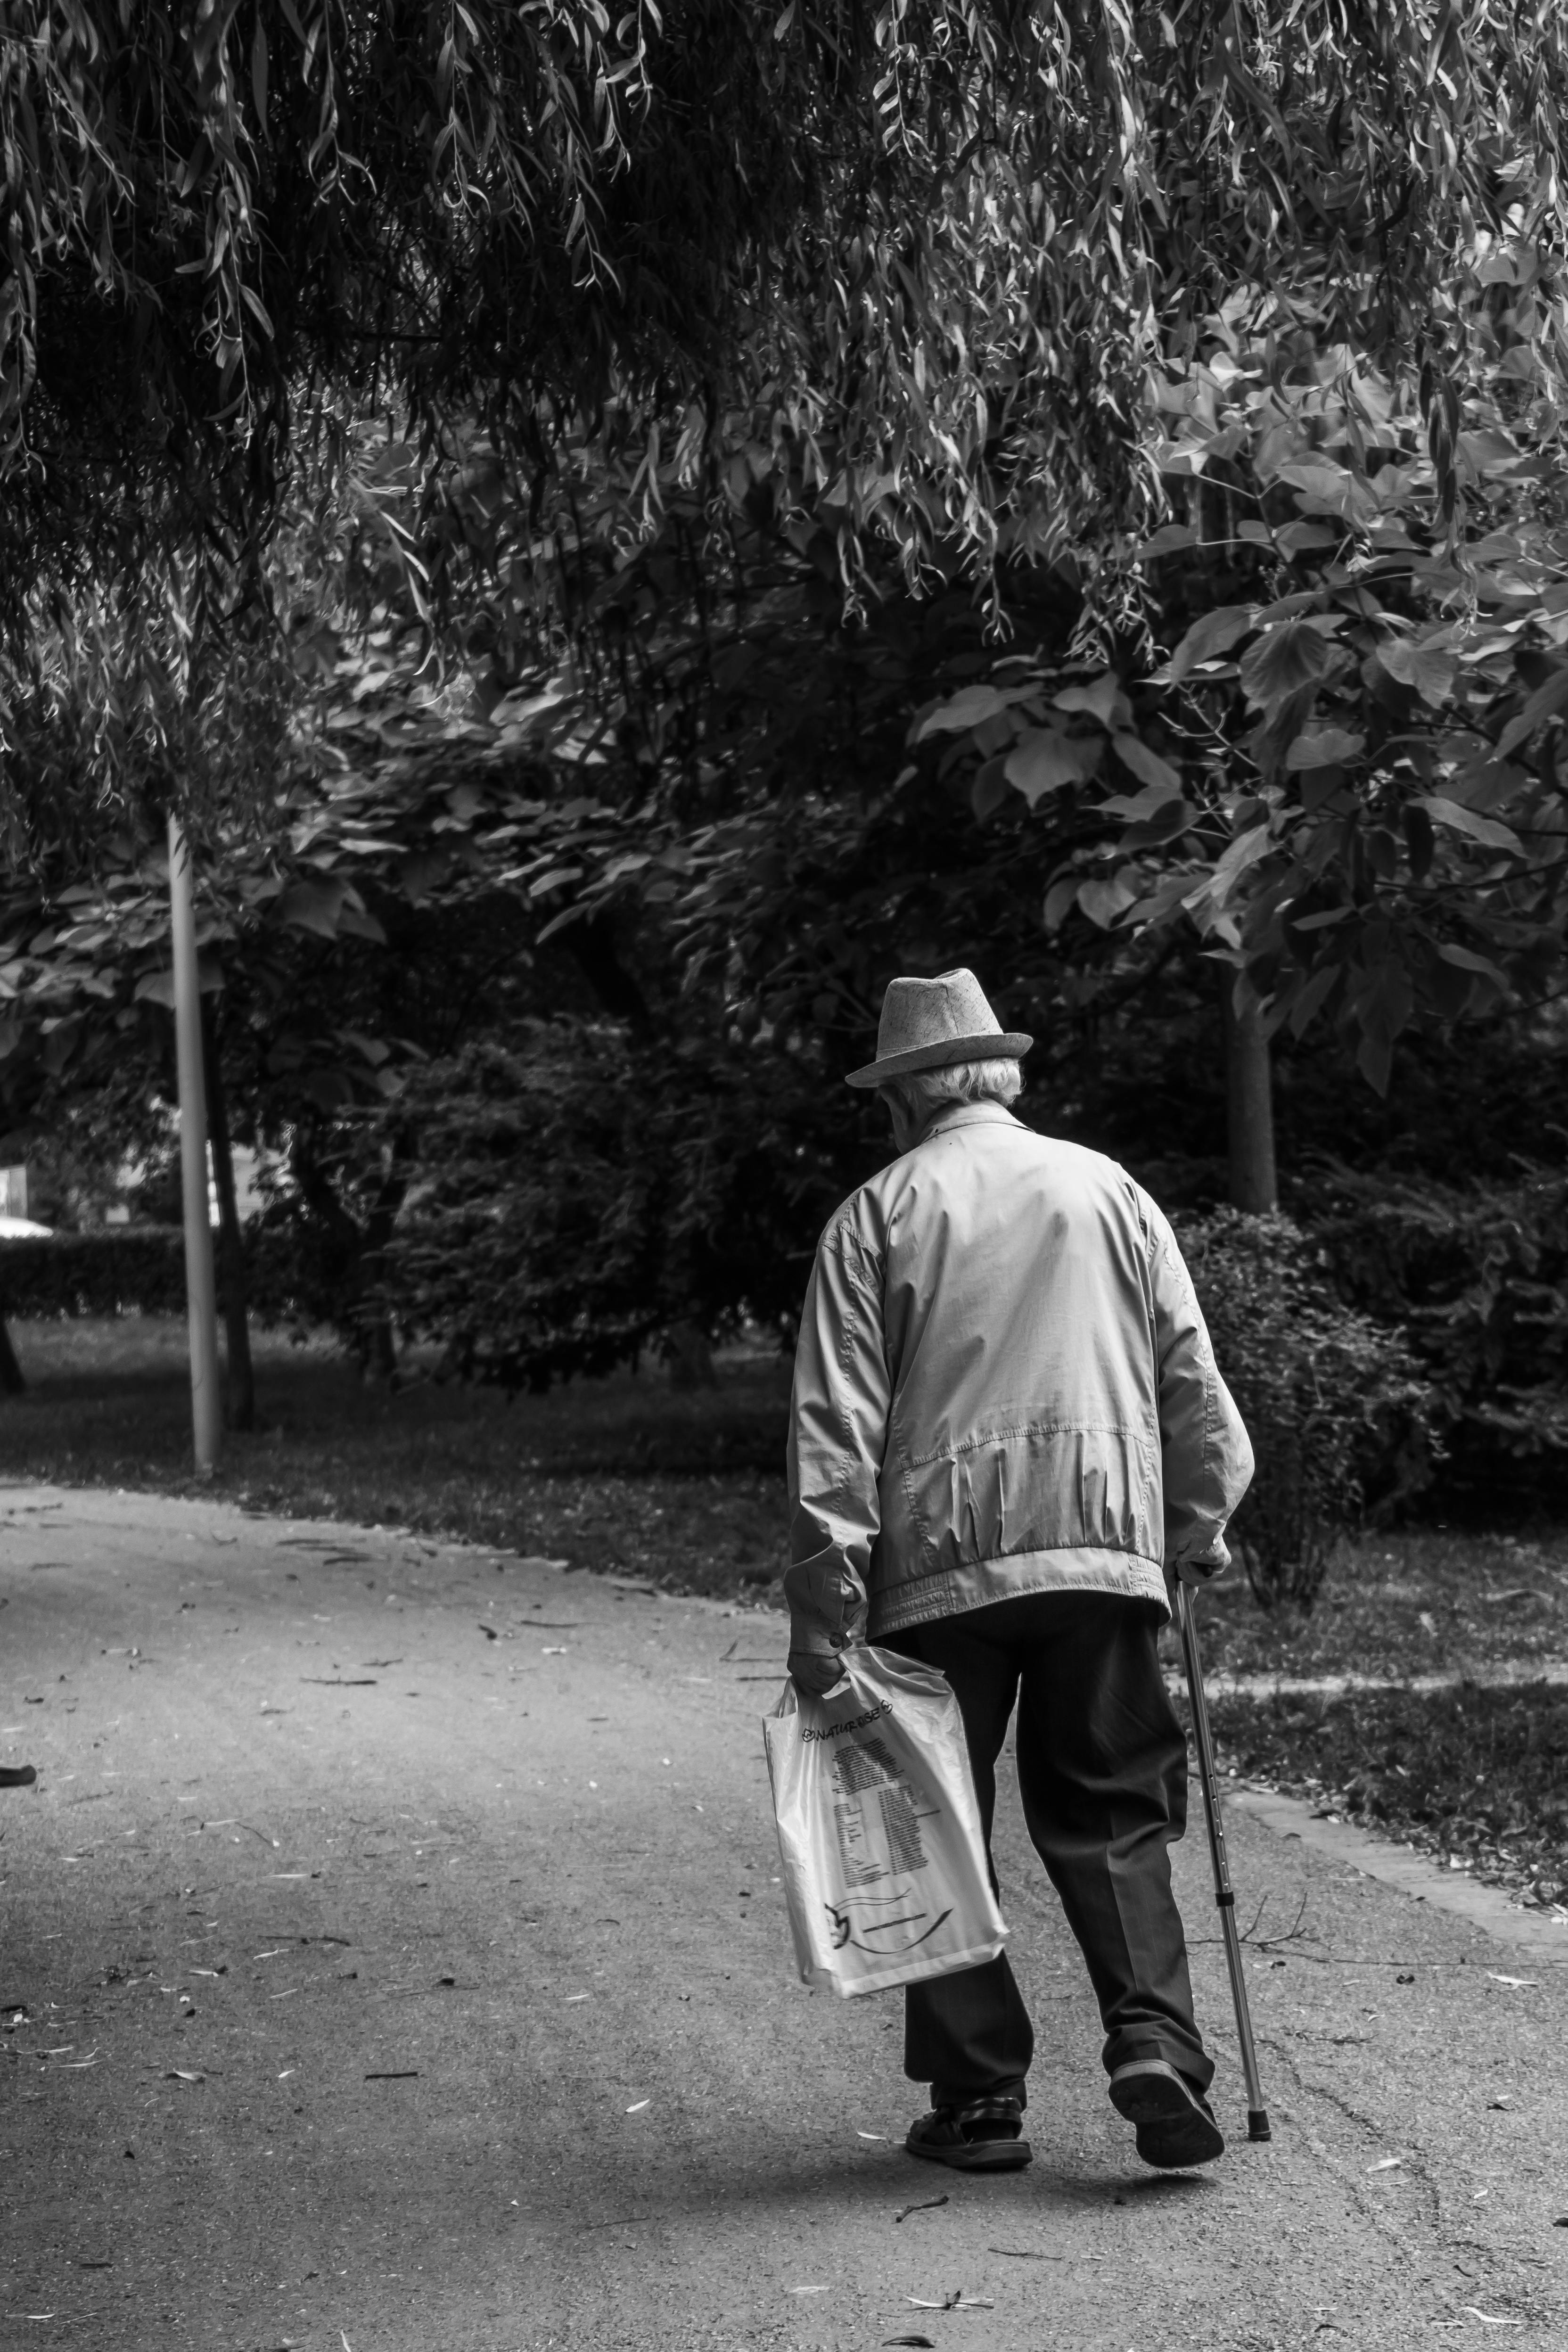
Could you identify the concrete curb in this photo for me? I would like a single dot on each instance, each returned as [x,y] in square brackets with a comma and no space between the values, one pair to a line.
[1508,1675]
[1543,1935]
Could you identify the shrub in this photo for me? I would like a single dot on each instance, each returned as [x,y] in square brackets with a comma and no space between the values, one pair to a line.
[129,1266]
[530,1240]
[1331,1400]
[1477,1280]
[574,1194]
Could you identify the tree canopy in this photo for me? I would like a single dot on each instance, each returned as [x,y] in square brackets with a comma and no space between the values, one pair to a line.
[929,252]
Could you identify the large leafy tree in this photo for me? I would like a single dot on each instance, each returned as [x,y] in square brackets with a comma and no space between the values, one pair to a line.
[916,262]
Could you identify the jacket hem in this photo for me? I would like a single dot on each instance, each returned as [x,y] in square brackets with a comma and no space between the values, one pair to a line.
[951,1593]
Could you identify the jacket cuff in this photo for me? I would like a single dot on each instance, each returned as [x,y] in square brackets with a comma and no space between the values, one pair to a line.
[1212,1560]
[811,1641]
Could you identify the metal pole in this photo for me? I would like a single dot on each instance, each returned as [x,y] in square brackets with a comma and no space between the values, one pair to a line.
[1224,1894]
[201,1291]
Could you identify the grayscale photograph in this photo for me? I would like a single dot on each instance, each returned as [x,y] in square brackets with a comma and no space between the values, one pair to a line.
[783,1175]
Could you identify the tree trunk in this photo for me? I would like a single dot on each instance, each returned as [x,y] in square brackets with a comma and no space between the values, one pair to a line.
[240,1384]
[1250,1100]
[11,1381]
[368,1328]
[689,1356]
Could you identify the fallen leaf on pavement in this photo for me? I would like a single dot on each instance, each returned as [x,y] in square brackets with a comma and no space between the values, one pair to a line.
[1025,2254]
[557,1650]
[180,2075]
[1480,2194]
[859,2134]
[1488,2319]
[1531,1983]
[394,2074]
[490,1633]
[1504,2103]
[909,2339]
[639,2107]
[1386,2165]
[925,2206]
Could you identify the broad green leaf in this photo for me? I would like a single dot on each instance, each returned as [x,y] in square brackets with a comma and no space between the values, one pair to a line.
[1146,764]
[1467,960]
[312,907]
[1133,807]
[1324,747]
[1241,853]
[1325,488]
[1290,656]
[1169,537]
[1099,699]
[1313,997]
[1103,901]
[1209,638]
[1426,669]
[1550,698]
[963,710]
[1295,539]
[1060,900]
[1486,830]
[1048,759]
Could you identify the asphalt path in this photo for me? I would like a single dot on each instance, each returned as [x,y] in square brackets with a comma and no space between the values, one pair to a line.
[392,1956]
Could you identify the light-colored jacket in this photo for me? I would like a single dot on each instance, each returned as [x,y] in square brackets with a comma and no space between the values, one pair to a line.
[1003,1385]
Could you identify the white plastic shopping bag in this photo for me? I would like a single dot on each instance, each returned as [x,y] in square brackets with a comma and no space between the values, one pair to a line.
[884,1864]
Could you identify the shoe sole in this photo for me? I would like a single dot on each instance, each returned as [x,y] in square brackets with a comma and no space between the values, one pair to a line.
[1173,2133]
[978,2155]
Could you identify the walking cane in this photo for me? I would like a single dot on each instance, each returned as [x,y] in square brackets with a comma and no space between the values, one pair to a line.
[1224,1893]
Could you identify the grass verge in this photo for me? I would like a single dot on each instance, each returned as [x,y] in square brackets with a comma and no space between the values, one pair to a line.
[1476,1777]
[624,1473]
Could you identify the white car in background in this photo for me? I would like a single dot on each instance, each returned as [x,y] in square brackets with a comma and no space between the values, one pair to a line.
[22,1229]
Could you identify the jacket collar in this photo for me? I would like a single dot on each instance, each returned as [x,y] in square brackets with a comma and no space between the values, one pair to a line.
[976,1114]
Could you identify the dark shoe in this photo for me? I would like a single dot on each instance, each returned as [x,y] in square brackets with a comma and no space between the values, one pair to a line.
[987,2136]
[1176,2123]
[16,1776]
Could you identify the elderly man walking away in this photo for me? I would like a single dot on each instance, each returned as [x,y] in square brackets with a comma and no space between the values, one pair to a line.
[1007,1431]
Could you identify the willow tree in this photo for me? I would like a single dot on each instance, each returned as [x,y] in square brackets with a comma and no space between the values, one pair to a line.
[928,251]
[930,277]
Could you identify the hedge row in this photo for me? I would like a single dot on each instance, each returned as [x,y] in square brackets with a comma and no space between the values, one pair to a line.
[48,1275]
[131,1267]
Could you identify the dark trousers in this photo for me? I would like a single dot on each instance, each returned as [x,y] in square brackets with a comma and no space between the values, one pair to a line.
[1102,1773]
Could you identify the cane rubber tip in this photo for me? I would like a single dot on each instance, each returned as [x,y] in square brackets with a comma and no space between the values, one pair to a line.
[1257,2124]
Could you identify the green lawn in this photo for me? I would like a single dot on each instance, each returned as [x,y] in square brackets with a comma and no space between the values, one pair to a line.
[624,1473]
[618,1474]
[1477,1777]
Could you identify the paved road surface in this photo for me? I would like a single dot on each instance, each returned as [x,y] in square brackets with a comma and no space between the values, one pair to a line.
[405,1967]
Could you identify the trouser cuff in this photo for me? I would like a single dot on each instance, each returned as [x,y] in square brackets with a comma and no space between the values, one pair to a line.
[1189,2058]
[961,2094]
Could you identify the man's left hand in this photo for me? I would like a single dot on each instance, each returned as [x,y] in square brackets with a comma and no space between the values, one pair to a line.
[814,1674]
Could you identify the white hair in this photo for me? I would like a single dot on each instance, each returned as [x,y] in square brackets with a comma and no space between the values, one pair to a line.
[920,1093]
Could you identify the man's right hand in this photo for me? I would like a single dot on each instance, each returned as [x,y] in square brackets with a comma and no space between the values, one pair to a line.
[814,1675]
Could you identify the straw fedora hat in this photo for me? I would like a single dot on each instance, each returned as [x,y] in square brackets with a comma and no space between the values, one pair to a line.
[927,1025]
